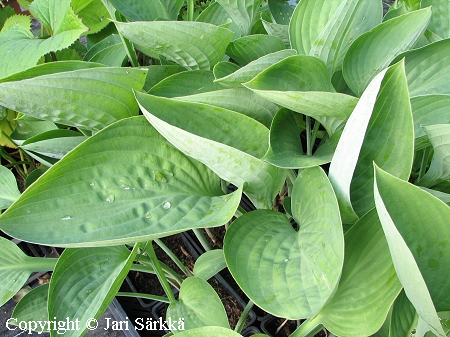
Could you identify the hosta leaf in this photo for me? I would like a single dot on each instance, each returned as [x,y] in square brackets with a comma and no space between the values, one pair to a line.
[209,331]
[439,170]
[186,83]
[372,134]
[28,127]
[7,125]
[84,283]
[141,10]
[240,100]
[281,11]
[290,273]
[404,317]
[350,20]
[242,12]
[86,98]
[368,285]
[294,73]
[376,49]
[193,45]
[199,305]
[286,148]
[250,48]
[173,7]
[224,68]
[278,30]
[9,191]
[228,156]
[93,14]
[428,69]
[249,71]
[445,197]
[440,22]
[156,73]
[209,264]
[217,15]
[109,52]
[143,189]
[404,213]
[32,308]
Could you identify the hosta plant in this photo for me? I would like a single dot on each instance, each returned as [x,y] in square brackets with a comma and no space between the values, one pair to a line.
[130,121]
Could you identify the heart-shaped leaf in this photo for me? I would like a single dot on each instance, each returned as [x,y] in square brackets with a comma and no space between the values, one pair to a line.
[199,305]
[141,188]
[32,308]
[287,273]
[9,192]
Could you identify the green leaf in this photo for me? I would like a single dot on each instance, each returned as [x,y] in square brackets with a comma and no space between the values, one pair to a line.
[242,12]
[280,31]
[199,306]
[32,308]
[240,100]
[126,183]
[404,214]
[214,136]
[376,49]
[109,52]
[290,273]
[217,15]
[224,68]
[93,14]
[28,127]
[440,22]
[5,13]
[209,331]
[193,45]
[281,11]
[250,48]
[86,98]
[9,191]
[209,264]
[249,71]
[404,317]
[156,73]
[141,10]
[173,7]
[85,282]
[368,285]
[294,73]
[445,197]
[17,19]
[379,130]
[439,170]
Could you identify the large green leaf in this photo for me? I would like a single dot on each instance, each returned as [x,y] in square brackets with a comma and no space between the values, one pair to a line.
[209,264]
[281,11]
[228,142]
[419,244]
[84,283]
[126,183]
[278,30]
[439,170]
[109,51]
[92,13]
[193,45]
[368,285]
[141,10]
[290,273]
[9,191]
[199,305]
[376,49]
[404,317]
[380,129]
[242,12]
[440,18]
[32,308]
[217,15]
[86,98]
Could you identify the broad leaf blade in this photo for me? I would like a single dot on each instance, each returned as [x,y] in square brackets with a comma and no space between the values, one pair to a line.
[281,11]
[209,264]
[33,307]
[9,191]
[143,189]
[404,317]
[141,10]
[440,17]
[242,12]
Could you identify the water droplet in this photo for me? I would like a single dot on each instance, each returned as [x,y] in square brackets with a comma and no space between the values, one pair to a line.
[14,280]
[126,187]
[110,197]
[364,17]
[286,260]
[92,184]
[88,291]
[102,18]
[28,212]
[166,205]
[127,72]
[67,217]
[148,215]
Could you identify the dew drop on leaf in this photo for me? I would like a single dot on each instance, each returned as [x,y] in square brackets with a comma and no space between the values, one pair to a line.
[110,197]
[148,215]
[286,260]
[126,187]
[67,217]
[166,205]
[88,291]
[92,184]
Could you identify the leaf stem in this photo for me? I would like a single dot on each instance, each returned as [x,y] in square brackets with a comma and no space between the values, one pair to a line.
[141,295]
[202,239]
[314,133]
[423,163]
[173,278]
[173,257]
[241,322]
[308,328]
[190,7]
[41,264]
[308,136]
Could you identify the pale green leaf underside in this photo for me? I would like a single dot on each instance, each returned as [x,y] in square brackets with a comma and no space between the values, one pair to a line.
[209,264]
[86,98]
[193,45]
[287,273]
[9,191]
[124,184]
[242,12]
[440,17]
[33,307]
[397,201]
[199,305]
[278,30]
[368,285]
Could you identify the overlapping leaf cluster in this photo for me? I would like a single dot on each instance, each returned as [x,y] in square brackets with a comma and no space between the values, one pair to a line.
[329,110]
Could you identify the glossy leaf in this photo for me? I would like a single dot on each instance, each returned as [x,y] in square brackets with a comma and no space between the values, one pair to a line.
[250,48]
[288,273]
[404,317]
[32,308]
[368,285]
[209,264]
[86,98]
[376,49]
[439,170]
[440,18]
[242,12]
[228,156]
[199,306]
[143,189]
[84,283]
[404,212]
[372,134]
[9,191]
[193,45]
[141,10]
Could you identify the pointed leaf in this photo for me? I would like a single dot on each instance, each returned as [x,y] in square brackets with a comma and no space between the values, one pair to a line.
[193,45]
[86,98]
[287,273]
[280,31]
[445,197]
[404,212]
[85,282]
[9,191]
[199,306]
[242,12]
[376,49]
[440,17]
[32,308]
[143,189]
[209,264]
[141,10]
